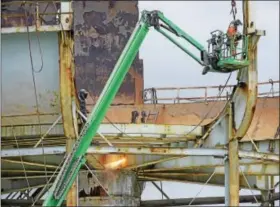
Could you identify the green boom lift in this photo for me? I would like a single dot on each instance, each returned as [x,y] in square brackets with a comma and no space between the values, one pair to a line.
[217,58]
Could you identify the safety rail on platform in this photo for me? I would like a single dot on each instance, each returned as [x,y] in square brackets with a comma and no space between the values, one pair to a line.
[151,95]
[37,15]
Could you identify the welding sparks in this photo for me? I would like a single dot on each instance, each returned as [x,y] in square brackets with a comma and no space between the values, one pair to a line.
[115,164]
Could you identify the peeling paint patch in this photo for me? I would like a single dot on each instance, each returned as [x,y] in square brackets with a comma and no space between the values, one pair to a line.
[101,32]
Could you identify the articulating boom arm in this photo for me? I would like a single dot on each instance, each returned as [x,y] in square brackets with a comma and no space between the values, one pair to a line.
[76,158]
[156,20]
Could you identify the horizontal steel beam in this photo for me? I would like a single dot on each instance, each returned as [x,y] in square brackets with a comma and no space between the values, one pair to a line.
[44,28]
[170,202]
[134,130]
[203,201]
[142,151]
[149,130]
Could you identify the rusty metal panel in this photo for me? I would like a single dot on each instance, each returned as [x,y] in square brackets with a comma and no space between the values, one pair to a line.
[18,97]
[101,30]
[13,13]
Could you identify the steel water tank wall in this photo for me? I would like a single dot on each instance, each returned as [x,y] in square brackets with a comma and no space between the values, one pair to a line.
[18,98]
[102,29]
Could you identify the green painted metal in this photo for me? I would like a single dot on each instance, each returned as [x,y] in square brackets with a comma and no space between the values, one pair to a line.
[76,159]
[180,32]
[180,46]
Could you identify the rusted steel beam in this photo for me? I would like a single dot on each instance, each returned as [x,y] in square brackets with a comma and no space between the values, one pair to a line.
[150,163]
[26,177]
[29,163]
[203,201]
[144,151]
[170,202]
[68,101]
[232,163]
[248,87]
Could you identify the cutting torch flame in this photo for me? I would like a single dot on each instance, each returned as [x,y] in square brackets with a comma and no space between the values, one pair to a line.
[113,165]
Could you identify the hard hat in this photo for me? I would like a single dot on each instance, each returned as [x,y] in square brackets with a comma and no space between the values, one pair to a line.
[83,91]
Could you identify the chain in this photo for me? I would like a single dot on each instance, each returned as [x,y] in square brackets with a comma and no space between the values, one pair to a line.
[233,9]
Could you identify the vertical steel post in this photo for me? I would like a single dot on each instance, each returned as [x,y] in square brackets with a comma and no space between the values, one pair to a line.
[67,95]
[233,162]
[227,195]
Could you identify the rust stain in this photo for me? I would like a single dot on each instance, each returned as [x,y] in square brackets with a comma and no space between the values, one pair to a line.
[265,120]
[158,150]
[192,114]
[13,14]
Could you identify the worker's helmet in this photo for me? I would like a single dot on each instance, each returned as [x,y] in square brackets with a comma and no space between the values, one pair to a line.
[237,22]
[84,93]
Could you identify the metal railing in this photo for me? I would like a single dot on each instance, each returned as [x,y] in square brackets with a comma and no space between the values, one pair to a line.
[152,95]
[40,15]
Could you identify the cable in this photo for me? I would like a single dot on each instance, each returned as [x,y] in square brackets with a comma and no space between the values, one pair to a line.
[233,9]
[25,174]
[34,86]
[248,185]
[29,43]
[48,182]
[202,187]
[211,108]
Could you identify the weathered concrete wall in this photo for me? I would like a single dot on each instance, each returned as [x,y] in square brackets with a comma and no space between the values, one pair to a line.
[101,30]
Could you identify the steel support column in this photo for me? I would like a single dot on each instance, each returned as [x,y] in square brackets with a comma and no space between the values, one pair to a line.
[67,98]
[233,165]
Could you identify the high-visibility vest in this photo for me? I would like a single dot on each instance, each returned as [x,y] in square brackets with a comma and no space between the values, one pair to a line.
[231,31]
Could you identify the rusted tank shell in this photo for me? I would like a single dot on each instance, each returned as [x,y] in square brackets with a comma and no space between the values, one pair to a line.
[101,30]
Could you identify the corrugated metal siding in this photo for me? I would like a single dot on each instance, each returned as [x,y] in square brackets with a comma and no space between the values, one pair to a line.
[101,33]
[18,96]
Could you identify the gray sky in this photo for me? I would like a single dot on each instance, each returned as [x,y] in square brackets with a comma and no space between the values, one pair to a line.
[166,65]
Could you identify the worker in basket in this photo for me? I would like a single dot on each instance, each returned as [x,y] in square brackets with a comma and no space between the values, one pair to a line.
[233,36]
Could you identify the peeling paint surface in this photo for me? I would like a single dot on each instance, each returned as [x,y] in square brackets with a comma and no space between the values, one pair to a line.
[101,33]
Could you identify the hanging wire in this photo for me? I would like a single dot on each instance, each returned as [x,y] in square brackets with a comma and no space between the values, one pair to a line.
[214,104]
[25,174]
[34,84]
[48,182]
[233,9]
[29,41]
[202,187]
[161,190]
[248,185]
[97,180]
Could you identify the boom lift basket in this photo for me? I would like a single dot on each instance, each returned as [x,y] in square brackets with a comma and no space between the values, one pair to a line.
[231,53]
